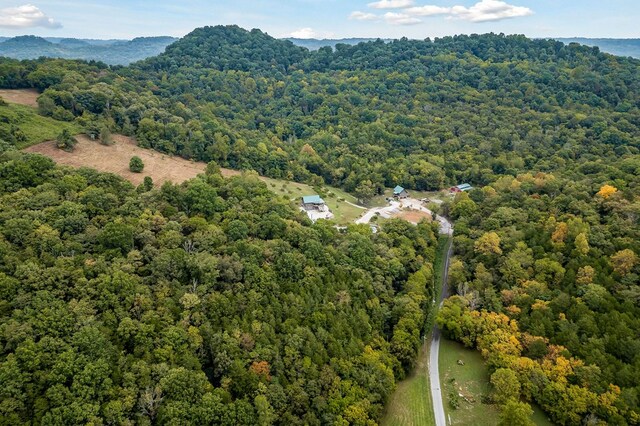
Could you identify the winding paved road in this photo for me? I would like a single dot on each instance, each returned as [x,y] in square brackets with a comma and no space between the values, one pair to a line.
[434,351]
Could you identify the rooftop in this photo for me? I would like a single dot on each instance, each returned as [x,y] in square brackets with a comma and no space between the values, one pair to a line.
[464,186]
[398,189]
[312,199]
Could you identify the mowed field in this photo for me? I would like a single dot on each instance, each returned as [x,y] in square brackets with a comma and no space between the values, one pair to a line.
[26,97]
[115,159]
[410,404]
[472,381]
[343,205]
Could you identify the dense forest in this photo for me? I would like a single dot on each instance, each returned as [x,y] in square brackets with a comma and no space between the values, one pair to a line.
[212,302]
[218,288]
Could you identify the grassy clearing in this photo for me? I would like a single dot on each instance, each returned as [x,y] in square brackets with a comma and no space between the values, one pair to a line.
[35,127]
[472,381]
[28,97]
[539,417]
[335,198]
[410,404]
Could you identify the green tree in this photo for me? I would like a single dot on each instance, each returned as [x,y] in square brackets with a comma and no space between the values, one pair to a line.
[147,183]
[516,413]
[136,165]
[106,138]
[365,191]
[66,141]
[505,385]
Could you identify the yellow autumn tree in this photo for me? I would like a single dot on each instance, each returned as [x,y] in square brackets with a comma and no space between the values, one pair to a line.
[585,275]
[607,191]
[623,261]
[560,233]
[488,244]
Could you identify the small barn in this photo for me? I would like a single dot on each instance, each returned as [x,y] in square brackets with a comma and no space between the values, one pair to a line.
[400,192]
[463,187]
[314,202]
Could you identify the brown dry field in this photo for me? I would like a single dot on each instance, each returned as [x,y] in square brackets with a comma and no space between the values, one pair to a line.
[413,216]
[115,159]
[20,96]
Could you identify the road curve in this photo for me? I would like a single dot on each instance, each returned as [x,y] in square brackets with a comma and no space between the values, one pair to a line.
[434,351]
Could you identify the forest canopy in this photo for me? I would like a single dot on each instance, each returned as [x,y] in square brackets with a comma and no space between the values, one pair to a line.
[215,300]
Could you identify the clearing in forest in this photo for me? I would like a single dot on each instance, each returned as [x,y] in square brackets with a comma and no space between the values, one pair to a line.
[26,97]
[115,159]
[413,216]
[33,127]
[469,379]
[161,168]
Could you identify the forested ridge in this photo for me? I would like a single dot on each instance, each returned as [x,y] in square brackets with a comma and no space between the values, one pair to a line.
[546,266]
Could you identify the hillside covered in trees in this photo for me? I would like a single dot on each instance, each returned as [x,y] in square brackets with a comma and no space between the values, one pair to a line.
[546,269]
[212,302]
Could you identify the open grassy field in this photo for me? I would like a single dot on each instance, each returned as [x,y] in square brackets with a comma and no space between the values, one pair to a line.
[410,404]
[35,127]
[337,200]
[28,97]
[472,381]
[115,159]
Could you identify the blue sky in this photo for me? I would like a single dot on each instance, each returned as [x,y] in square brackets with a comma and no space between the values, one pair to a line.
[323,18]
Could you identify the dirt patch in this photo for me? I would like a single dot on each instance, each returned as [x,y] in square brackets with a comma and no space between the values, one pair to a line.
[413,216]
[26,97]
[115,159]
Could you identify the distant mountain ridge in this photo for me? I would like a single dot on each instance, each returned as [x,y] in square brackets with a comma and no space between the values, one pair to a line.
[315,44]
[125,52]
[614,46]
[112,52]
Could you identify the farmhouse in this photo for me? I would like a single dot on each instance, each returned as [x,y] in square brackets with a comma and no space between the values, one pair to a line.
[400,192]
[461,188]
[314,202]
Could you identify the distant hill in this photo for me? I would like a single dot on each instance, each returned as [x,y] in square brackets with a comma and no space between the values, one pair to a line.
[315,44]
[112,52]
[615,46]
[228,48]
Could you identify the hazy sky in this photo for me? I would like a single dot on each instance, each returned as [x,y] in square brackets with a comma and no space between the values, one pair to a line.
[323,18]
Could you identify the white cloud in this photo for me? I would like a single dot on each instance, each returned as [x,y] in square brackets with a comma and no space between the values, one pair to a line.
[391,4]
[310,33]
[362,16]
[427,10]
[489,10]
[400,19]
[25,16]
